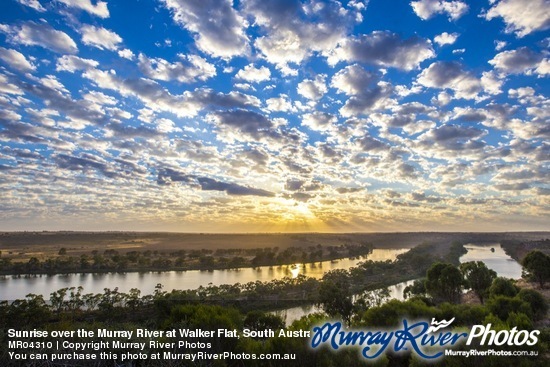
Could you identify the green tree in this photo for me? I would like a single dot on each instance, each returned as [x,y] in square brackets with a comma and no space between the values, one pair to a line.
[335,297]
[536,301]
[537,266]
[478,277]
[258,320]
[444,282]
[418,288]
[502,287]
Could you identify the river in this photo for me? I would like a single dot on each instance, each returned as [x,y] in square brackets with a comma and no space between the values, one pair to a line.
[17,287]
[492,255]
[495,258]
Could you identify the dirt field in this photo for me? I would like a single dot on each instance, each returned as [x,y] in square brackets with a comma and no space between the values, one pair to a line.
[20,245]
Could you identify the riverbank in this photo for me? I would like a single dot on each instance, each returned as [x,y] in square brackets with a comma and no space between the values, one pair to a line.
[106,252]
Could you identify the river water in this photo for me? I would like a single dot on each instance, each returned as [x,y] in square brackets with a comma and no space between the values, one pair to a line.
[495,258]
[12,287]
[492,255]
[17,287]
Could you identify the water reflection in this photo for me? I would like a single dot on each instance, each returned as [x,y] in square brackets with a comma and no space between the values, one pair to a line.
[15,288]
[289,315]
[495,258]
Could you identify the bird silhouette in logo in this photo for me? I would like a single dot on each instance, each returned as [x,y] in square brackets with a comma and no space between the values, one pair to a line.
[439,325]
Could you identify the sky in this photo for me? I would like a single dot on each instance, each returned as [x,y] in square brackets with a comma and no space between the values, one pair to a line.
[274,116]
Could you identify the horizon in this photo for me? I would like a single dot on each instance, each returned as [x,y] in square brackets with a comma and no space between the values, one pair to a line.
[268,233]
[302,116]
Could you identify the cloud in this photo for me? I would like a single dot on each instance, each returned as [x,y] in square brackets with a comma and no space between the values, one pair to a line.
[246,122]
[372,145]
[99,9]
[279,104]
[218,29]
[100,37]
[450,140]
[384,48]
[450,75]
[39,34]
[16,60]
[84,163]
[319,121]
[126,54]
[72,63]
[352,80]
[446,38]
[34,4]
[426,9]
[520,17]
[254,75]
[157,98]
[195,68]
[522,60]
[368,100]
[166,176]
[313,89]
[291,31]
[491,83]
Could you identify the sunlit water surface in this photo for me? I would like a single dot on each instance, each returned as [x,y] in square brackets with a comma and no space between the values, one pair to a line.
[15,287]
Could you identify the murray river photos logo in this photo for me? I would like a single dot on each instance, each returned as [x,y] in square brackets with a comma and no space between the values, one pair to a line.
[428,340]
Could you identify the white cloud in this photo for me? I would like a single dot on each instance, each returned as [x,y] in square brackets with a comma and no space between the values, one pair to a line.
[126,54]
[195,68]
[100,37]
[521,17]
[7,87]
[34,4]
[279,104]
[292,31]
[99,9]
[218,28]
[165,125]
[72,63]
[254,75]
[522,60]
[16,60]
[491,83]
[450,75]
[426,9]
[319,121]
[352,80]
[543,68]
[313,89]
[446,38]
[373,99]
[39,34]
[385,49]
[499,45]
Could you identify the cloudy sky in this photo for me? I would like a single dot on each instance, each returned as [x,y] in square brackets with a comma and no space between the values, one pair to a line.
[280,115]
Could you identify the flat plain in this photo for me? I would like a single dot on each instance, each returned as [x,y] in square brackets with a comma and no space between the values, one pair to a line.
[23,245]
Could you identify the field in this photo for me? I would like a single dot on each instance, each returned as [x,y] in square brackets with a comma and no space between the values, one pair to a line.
[20,246]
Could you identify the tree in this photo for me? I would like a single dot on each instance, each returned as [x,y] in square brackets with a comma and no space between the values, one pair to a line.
[418,288]
[536,301]
[335,295]
[444,282]
[478,277]
[502,287]
[537,266]
[62,251]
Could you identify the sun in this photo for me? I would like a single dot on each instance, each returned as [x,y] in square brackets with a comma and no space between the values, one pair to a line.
[302,210]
